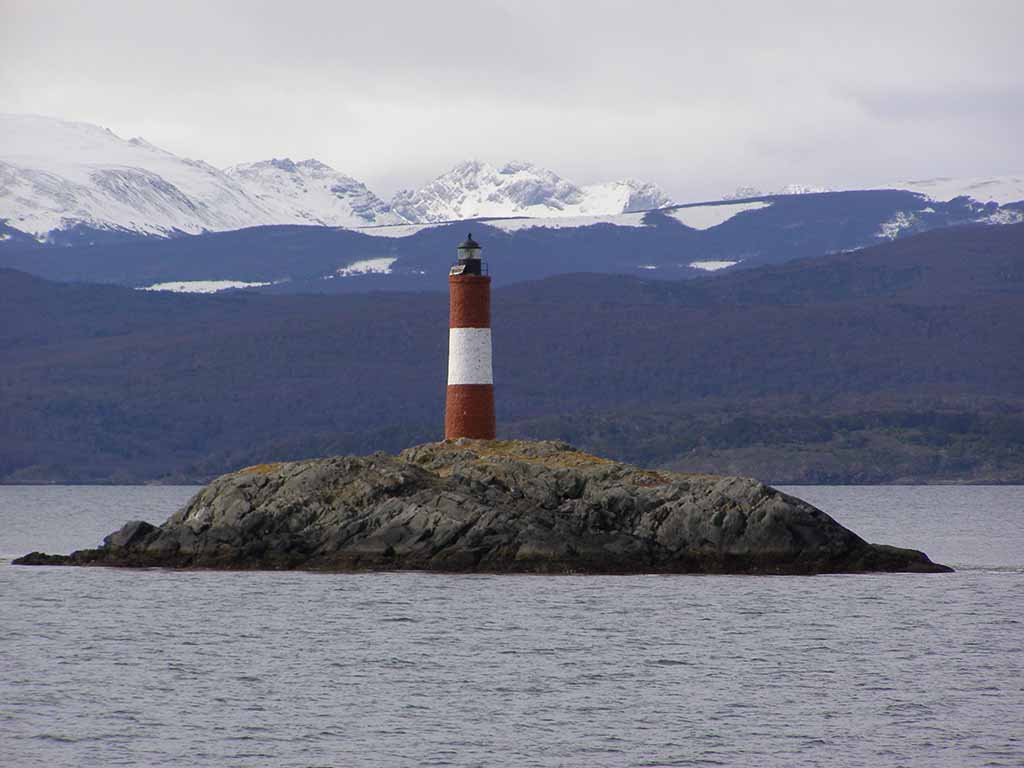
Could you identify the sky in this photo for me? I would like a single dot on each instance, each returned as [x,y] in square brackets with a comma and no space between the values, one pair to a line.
[697,97]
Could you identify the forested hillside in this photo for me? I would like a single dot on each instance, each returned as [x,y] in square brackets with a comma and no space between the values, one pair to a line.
[899,362]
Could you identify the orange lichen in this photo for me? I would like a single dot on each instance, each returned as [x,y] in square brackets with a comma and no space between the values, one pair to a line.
[260,469]
[514,450]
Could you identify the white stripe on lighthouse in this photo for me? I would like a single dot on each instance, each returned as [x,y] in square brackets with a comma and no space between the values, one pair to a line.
[469,356]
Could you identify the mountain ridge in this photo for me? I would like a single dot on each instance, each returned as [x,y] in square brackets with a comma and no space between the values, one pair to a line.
[665,244]
[309,191]
[59,178]
[474,189]
[56,174]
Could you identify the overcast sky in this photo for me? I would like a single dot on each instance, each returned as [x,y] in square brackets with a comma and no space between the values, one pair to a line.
[699,97]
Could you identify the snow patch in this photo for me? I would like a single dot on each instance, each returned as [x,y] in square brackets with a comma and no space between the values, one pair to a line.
[802,189]
[562,222]
[201,286]
[381,266]
[999,189]
[1004,216]
[712,266]
[742,193]
[708,216]
[891,229]
[395,230]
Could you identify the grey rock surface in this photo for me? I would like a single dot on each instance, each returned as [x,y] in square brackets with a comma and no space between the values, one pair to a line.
[493,506]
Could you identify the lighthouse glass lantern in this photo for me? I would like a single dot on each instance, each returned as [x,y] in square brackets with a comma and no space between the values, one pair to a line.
[469,262]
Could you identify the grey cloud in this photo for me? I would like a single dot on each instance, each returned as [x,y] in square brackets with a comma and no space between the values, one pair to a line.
[936,102]
[699,99]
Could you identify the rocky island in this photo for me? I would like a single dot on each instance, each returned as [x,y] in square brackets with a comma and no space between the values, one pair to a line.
[497,507]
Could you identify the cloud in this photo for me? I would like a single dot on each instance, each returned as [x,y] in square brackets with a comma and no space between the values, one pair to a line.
[935,102]
[695,98]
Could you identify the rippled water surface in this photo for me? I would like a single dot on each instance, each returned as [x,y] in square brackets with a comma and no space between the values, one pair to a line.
[157,668]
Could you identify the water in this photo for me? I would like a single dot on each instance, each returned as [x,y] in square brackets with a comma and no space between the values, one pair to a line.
[157,668]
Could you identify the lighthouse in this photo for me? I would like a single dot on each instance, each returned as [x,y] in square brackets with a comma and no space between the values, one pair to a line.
[469,404]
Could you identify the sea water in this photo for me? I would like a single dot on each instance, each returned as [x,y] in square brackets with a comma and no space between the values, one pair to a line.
[106,667]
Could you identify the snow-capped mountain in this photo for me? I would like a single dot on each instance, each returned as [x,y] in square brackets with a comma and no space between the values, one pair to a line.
[996,189]
[55,174]
[310,192]
[743,193]
[474,189]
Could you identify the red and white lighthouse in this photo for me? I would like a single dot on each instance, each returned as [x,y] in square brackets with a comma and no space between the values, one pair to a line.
[469,405]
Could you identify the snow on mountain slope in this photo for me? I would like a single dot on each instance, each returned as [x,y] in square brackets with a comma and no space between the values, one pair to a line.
[312,193]
[998,189]
[474,189]
[624,196]
[693,216]
[635,219]
[395,230]
[55,174]
[708,216]
[742,193]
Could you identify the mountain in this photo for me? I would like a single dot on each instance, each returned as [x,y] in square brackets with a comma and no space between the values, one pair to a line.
[998,189]
[57,175]
[474,189]
[60,178]
[665,244]
[899,362]
[139,216]
[310,192]
[744,193]
[1002,190]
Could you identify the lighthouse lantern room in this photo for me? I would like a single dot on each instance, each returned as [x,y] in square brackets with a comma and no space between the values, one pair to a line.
[469,404]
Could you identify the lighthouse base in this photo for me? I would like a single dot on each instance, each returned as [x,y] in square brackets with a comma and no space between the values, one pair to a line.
[469,412]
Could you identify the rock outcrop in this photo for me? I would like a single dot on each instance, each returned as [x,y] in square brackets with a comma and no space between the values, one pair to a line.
[493,506]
